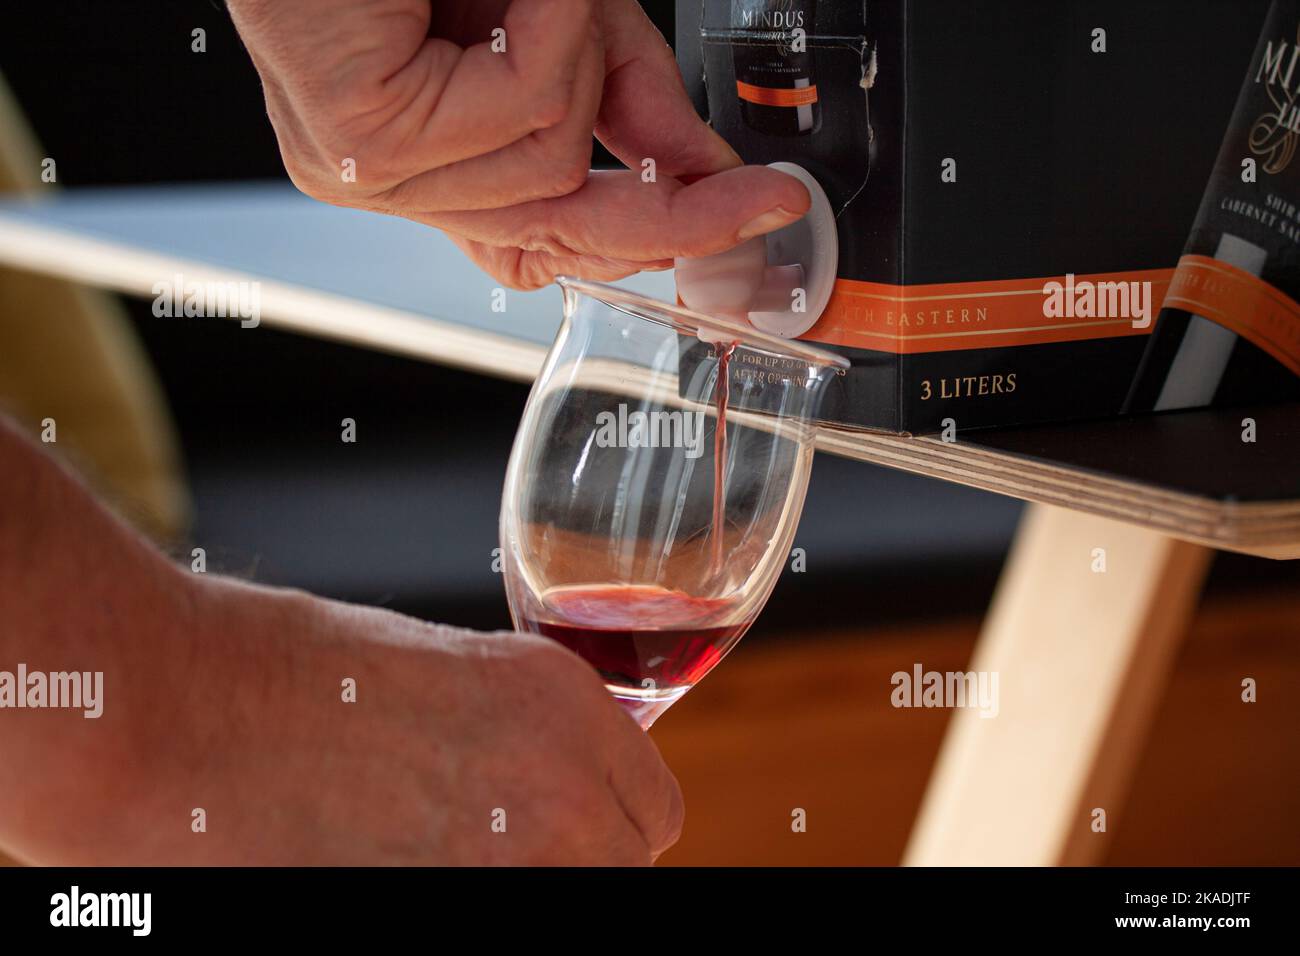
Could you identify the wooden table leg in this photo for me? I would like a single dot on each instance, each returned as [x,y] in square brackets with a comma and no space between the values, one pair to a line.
[1082,656]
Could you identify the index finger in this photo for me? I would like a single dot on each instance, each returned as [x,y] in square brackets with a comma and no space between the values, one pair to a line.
[370,71]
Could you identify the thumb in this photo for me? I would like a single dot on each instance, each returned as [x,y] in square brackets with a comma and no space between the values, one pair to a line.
[617,216]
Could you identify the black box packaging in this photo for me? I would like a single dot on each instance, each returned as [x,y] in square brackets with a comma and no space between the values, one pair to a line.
[1013,182]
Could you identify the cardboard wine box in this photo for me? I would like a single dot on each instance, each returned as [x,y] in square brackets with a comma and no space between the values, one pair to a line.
[1013,182]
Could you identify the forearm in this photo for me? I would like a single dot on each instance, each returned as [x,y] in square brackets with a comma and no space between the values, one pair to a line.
[80,594]
[74,579]
[299,730]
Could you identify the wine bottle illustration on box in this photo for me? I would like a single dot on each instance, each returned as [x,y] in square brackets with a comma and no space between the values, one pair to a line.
[774,65]
[1229,331]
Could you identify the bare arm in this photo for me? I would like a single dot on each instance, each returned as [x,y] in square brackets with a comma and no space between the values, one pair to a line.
[225,697]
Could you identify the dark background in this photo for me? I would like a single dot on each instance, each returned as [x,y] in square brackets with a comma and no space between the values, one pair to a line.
[116,96]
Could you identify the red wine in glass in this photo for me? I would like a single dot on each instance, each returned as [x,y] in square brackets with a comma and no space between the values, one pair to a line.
[649,642]
[621,555]
[644,640]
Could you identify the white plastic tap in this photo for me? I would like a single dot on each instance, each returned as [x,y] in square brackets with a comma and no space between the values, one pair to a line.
[779,283]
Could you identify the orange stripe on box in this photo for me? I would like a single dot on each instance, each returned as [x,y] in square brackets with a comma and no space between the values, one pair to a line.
[774,96]
[947,317]
[1241,302]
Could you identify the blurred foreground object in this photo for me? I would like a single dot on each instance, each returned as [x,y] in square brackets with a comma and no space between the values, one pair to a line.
[68,353]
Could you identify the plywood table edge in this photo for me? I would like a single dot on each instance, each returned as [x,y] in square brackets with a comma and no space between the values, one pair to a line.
[966,455]
[1175,500]
[1266,529]
[1221,525]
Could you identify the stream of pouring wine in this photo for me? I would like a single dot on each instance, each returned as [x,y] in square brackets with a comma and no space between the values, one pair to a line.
[720,453]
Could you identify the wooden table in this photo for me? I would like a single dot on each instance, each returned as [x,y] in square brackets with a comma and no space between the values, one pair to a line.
[1082,653]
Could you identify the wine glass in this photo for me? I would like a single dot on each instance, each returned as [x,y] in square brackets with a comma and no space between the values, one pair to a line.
[634,530]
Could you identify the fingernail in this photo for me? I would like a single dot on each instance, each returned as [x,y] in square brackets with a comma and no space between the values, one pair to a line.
[770,220]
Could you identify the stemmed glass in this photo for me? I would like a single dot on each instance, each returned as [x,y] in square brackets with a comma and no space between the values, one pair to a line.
[634,530]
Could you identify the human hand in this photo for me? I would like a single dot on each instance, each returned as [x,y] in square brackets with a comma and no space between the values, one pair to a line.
[450,732]
[230,699]
[403,107]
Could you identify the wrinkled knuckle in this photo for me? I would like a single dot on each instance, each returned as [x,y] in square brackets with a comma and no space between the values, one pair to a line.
[568,175]
[549,110]
[538,237]
[550,104]
[525,274]
[555,170]
[305,178]
[394,199]
[378,168]
[507,267]
[525,283]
